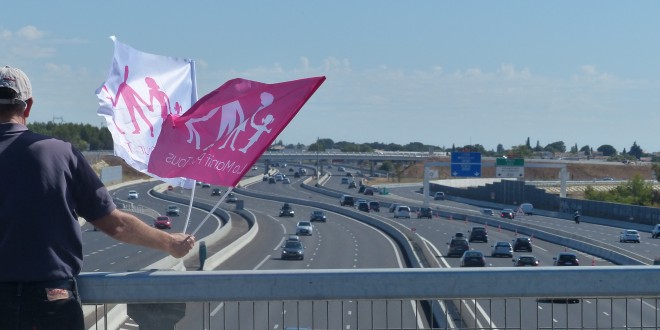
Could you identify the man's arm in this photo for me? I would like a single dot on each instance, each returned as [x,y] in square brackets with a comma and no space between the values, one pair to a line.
[128,228]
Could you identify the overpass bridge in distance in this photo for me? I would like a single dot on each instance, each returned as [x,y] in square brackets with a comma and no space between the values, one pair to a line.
[354,156]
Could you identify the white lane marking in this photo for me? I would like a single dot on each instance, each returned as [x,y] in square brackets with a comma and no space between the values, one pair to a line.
[262,262]
[481,310]
[217,309]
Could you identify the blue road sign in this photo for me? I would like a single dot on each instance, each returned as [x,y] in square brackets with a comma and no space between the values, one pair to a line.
[466,170]
[466,158]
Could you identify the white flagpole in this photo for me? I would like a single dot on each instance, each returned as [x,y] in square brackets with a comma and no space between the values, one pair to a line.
[190,204]
[193,99]
[211,212]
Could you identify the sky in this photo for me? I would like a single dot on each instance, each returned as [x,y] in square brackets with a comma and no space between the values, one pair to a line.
[442,73]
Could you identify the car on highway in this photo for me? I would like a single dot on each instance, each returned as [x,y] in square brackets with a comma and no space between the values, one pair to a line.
[216,192]
[502,249]
[374,206]
[286,210]
[478,234]
[286,181]
[231,198]
[163,222]
[402,211]
[352,185]
[369,191]
[425,212]
[304,228]
[293,238]
[487,212]
[272,180]
[361,189]
[393,207]
[527,208]
[346,200]
[457,246]
[473,258]
[206,185]
[363,206]
[629,235]
[132,194]
[439,196]
[293,250]
[344,180]
[522,244]
[507,213]
[526,260]
[317,215]
[566,259]
[655,232]
[296,175]
[172,210]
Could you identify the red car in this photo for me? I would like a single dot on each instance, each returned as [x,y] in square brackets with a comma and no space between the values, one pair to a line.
[508,213]
[163,222]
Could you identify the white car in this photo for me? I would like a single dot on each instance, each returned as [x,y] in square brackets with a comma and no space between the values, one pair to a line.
[304,228]
[132,194]
[629,235]
[402,211]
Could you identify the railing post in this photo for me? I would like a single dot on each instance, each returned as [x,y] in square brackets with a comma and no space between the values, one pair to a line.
[157,316]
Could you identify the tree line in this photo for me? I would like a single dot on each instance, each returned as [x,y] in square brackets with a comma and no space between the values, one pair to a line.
[92,138]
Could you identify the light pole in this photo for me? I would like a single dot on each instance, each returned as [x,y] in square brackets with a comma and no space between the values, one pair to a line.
[318,173]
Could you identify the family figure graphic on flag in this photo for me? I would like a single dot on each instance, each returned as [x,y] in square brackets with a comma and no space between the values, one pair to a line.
[232,121]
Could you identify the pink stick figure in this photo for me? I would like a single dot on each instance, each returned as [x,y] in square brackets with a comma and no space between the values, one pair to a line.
[159,96]
[131,98]
[266,100]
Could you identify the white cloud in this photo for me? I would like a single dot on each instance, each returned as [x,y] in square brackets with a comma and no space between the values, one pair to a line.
[30,33]
[5,34]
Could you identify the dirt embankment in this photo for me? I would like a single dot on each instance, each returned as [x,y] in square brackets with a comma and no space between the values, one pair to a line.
[577,171]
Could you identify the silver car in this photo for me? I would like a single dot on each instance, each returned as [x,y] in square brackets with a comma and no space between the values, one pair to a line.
[502,249]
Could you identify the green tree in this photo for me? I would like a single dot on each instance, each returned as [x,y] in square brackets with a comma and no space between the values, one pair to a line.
[556,147]
[521,151]
[607,150]
[500,149]
[386,166]
[635,151]
[636,192]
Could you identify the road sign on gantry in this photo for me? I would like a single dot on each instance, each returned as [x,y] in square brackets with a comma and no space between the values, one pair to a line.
[510,167]
[466,164]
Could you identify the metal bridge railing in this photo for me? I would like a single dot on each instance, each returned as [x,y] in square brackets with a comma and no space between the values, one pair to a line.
[595,297]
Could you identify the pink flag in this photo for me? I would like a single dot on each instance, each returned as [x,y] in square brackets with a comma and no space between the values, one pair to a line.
[226,131]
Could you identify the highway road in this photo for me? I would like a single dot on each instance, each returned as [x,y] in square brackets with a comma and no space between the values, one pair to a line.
[344,243]
[339,243]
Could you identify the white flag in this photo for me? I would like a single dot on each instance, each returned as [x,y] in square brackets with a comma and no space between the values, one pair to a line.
[141,91]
